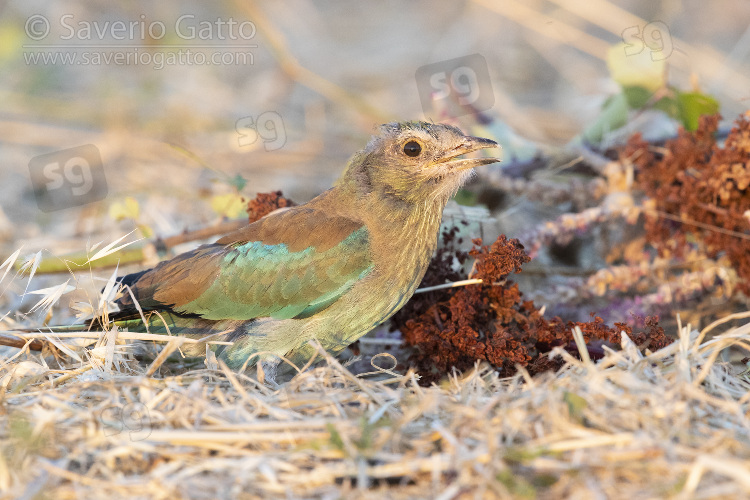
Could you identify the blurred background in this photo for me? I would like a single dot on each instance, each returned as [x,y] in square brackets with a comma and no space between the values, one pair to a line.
[188,105]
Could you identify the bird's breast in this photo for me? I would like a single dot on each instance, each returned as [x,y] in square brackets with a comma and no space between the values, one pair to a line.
[402,253]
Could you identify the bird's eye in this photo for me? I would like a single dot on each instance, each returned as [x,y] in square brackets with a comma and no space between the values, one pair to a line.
[412,148]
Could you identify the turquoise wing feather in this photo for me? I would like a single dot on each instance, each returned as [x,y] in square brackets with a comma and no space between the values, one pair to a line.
[257,280]
[289,265]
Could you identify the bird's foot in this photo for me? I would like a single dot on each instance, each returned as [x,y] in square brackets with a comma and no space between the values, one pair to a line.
[267,370]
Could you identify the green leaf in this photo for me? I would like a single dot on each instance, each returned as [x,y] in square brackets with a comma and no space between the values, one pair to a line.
[520,456]
[12,38]
[336,440]
[517,485]
[229,205]
[576,405]
[125,209]
[637,96]
[670,106]
[465,198]
[694,104]
[146,231]
[613,116]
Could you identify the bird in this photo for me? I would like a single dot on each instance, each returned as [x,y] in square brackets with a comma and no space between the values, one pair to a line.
[329,270]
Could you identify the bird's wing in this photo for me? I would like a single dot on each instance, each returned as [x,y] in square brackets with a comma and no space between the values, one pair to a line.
[290,264]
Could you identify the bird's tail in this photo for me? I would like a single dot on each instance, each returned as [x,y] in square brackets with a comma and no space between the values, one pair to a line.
[19,337]
[157,322]
[153,322]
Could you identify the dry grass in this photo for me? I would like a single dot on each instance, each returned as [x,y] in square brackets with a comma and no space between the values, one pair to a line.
[671,423]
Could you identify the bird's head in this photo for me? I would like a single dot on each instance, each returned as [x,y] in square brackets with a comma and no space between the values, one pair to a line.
[416,161]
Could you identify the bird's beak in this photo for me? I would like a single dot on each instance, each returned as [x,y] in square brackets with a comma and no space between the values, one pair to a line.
[469,145]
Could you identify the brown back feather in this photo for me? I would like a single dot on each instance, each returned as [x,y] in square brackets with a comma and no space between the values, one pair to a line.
[181,280]
[298,228]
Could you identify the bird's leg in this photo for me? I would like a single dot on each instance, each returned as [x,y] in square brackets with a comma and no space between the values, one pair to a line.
[267,370]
